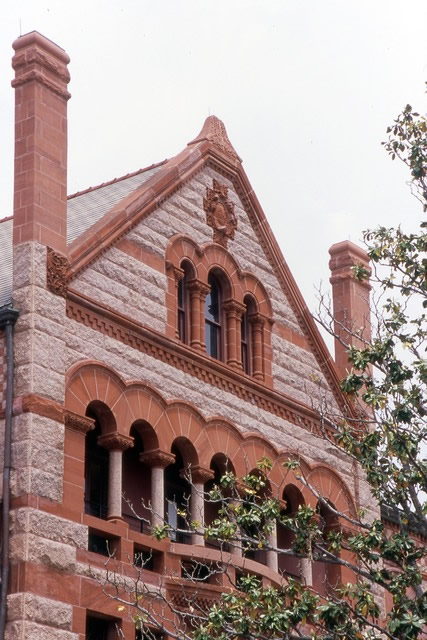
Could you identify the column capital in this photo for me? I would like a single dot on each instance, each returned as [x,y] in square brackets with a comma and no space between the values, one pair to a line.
[157,458]
[177,271]
[198,474]
[257,319]
[115,441]
[197,287]
[82,424]
[232,307]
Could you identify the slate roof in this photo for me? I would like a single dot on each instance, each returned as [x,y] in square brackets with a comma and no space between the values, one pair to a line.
[84,209]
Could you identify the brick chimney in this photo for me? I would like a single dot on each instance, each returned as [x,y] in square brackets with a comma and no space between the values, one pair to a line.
[40,193]
[350,297]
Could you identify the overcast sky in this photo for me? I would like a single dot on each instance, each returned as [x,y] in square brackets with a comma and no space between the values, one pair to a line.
[306,89]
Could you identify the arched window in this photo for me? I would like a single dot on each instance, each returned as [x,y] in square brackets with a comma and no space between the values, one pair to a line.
[246,336]
[289,564]
[178,495]
[213,320]
[96,471]
[184,303]
[136,486]
[220,465]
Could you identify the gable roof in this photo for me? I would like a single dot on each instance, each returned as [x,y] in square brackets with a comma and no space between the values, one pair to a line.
[100,216]
[84,209]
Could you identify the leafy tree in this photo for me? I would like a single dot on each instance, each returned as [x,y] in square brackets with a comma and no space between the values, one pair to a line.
[385,434]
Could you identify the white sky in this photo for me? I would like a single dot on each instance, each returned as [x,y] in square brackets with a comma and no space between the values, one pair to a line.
[306,89]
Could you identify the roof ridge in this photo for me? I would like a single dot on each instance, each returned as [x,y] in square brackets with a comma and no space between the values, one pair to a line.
[114,180]
[6,219]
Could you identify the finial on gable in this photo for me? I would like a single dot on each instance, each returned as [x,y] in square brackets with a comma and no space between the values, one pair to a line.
[214,131]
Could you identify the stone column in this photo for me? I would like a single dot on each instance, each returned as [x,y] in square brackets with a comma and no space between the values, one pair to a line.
[272,558]
[116,443]
[306,571]
[257,323]
[158,461]
[199,476]
[198,292]
[234,311]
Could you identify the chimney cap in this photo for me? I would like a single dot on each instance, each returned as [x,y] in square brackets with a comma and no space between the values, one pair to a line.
[36,38]
[349,248]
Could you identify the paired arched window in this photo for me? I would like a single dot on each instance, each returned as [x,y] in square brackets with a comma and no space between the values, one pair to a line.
[213,318]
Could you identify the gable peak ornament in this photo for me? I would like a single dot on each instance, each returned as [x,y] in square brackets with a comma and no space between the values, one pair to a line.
[214,131]
[220,213]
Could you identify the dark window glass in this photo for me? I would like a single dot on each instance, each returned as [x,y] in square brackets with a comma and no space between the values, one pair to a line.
[182,333]
[213,319]
[246,360]
[184,304]
[177,493]
[98,629]
[99,544]
[96,475]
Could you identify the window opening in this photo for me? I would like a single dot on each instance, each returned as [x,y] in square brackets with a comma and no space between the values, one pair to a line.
[100,629]
[177,493]
[96,473]
[184,304]
[213,319]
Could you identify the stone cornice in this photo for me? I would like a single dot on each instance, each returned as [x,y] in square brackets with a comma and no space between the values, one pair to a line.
[41,406]
[176,354]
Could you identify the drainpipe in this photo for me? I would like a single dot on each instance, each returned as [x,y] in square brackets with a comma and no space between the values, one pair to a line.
[8,318]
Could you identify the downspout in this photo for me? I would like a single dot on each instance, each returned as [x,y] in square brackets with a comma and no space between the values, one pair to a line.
[8,318]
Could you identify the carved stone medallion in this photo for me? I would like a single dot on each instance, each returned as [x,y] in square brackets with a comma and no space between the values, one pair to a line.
[220,213]
[56,273]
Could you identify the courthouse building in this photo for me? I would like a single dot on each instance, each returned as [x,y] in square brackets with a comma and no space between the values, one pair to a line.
[155,327]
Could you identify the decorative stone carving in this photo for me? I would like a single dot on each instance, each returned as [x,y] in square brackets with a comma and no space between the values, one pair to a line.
[176,271]
[214,131]
[220,213]
[115,441]
[257,320]
[56,274]
[199,288]
[82,424]
[232,307]
[157,458]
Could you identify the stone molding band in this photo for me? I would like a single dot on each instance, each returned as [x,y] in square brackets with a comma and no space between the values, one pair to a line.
[158,346]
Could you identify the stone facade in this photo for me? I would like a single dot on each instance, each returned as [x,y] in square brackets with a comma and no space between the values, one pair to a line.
[102,368]
[3,367]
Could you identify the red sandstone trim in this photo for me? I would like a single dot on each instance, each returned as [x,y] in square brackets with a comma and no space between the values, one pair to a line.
[39,405]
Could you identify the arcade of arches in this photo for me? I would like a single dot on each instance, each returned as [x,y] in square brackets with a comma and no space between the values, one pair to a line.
[126,455]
